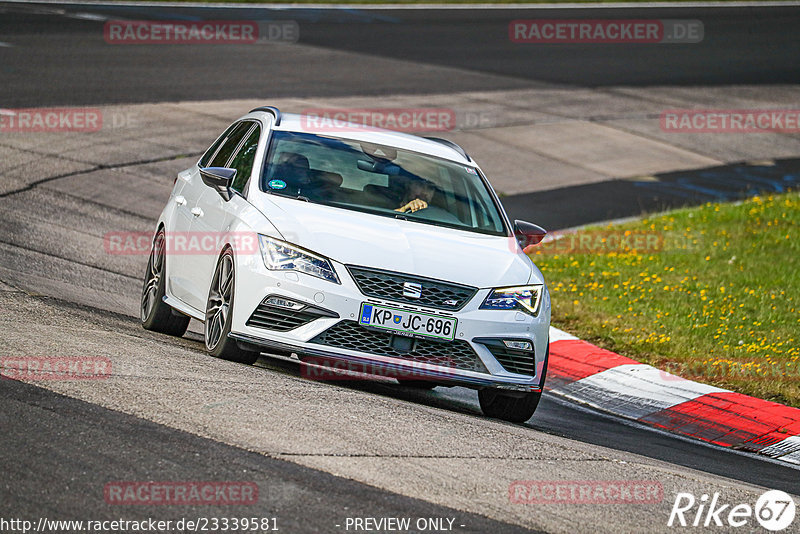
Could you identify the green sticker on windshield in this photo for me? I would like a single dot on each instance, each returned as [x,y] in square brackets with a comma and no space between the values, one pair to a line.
[277,184]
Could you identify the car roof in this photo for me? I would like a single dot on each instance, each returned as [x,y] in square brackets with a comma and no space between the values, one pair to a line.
[292,122]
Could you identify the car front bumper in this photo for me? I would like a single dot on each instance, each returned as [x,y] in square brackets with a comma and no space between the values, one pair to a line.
[343,303]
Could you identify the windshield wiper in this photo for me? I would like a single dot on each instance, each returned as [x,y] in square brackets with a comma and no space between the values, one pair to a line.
[298,196]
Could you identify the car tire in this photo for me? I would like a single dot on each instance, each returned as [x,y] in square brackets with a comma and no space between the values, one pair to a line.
[219,314]
[154,313]
[515,409]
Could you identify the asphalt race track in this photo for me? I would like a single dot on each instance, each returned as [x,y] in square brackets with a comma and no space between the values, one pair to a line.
[319,452]
[742,45]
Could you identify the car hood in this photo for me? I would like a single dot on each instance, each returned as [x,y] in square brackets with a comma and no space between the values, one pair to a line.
[356,238]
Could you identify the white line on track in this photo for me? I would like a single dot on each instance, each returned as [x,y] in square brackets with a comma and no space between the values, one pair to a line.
[560,335]
[86,16]
[634,390]
[6,45]
[395,7]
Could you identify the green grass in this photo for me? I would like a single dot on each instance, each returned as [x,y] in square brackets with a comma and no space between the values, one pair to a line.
[717,300]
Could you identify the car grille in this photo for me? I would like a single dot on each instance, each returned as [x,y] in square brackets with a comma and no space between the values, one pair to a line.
[513,361]
[284,319]
[350,335]
[389,285]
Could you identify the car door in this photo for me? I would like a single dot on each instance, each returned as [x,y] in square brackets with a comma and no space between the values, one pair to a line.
[189,188]
[216,216]
[186,247]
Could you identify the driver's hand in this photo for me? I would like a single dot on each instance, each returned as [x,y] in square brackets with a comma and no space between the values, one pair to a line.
[414,205]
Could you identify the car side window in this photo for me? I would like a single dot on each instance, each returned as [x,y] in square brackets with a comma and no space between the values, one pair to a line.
[213,148]
[229,146]
[244,159]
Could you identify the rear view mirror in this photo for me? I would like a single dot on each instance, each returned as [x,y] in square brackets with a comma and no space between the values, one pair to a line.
[219,178]
[379,167]
[528,234]
[379,152]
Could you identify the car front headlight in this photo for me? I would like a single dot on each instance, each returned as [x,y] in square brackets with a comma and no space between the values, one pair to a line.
[281,256]
[527,298]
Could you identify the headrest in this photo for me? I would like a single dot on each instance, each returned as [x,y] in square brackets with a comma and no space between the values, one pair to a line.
[293,159]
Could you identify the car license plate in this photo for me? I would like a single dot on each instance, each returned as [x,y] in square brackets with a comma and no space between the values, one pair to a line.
[408,323]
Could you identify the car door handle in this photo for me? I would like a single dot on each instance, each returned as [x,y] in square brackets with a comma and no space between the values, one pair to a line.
[197,212]
[180,200]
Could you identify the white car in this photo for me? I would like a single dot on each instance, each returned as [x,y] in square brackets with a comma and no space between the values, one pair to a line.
[354,248]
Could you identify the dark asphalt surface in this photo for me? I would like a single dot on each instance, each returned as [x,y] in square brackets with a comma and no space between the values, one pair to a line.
[564,419]
[57,59]
[567,207]
[57,451]
[57,464]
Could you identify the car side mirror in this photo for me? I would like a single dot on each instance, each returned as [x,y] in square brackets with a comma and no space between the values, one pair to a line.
[528,234]
[219,178]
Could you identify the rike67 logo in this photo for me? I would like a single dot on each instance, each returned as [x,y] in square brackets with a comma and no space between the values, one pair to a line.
[774,511]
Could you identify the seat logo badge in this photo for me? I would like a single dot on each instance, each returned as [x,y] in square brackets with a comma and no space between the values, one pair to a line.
[412,290]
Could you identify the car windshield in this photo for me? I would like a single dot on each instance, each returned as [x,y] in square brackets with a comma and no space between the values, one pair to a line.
[378,179]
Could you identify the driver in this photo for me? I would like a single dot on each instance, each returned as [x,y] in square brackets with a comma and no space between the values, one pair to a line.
[419,193]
